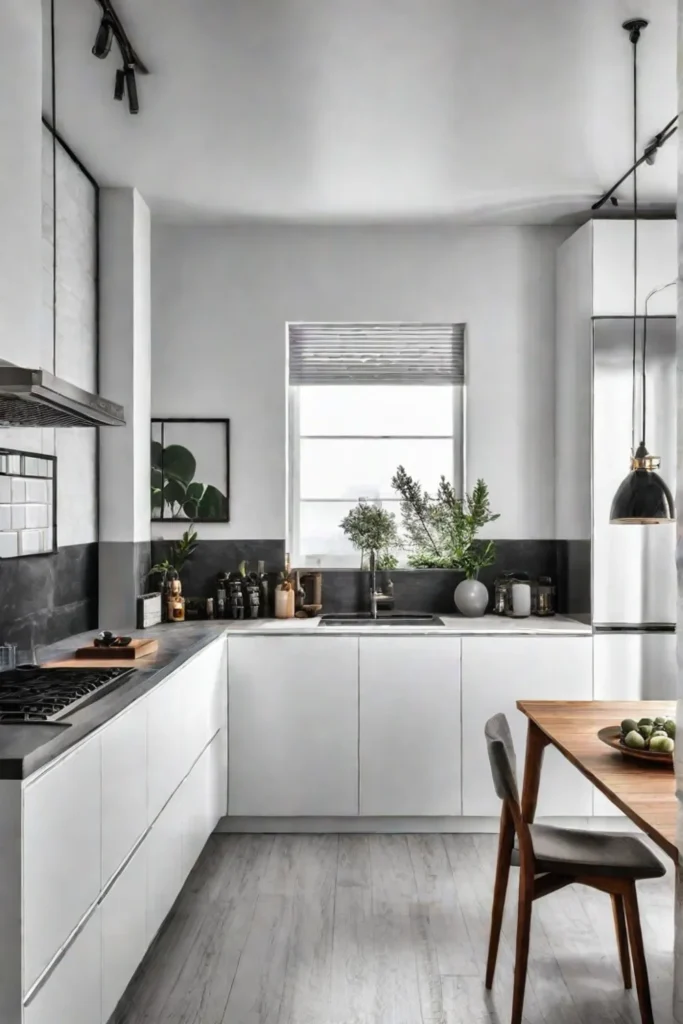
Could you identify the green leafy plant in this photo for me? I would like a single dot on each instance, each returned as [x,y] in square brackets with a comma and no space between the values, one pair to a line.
[441,529]
[179,553]
[370,528]
[175,486]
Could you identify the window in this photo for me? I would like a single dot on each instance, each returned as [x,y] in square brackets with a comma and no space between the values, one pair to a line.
[364,399]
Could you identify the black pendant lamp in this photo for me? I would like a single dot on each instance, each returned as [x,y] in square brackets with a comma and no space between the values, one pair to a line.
[642,497]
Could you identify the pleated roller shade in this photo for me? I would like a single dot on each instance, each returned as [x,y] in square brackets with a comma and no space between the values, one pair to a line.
[380,353]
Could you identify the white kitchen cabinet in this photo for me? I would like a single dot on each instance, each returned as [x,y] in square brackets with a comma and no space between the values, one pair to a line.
[164,853]
[124,786]
[72,993]
[184,712]
[203,802]
[496,673]
[124,929]
[293,725]
[61,853]
[410,726]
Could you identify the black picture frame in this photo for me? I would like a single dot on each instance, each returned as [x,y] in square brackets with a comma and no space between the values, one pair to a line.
[224,495]
[22,474]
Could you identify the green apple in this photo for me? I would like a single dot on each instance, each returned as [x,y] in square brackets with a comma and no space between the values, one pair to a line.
[634,740]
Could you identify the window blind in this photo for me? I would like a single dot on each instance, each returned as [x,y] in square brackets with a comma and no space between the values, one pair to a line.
[376,353]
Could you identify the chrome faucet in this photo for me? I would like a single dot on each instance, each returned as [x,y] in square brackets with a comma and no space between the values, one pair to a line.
[376,596]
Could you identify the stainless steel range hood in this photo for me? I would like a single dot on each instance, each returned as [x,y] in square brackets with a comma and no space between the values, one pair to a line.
[34,398]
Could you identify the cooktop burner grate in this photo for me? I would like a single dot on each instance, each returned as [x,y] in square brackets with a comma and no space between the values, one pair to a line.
[33,694]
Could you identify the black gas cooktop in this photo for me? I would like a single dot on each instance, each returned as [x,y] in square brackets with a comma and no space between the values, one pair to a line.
[33,694]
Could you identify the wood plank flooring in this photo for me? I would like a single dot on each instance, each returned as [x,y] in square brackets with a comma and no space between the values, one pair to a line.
[382,929]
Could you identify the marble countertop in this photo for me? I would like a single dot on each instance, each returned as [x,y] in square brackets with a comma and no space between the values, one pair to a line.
[24,749]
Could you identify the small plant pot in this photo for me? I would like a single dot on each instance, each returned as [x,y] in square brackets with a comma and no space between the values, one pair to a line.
[471,598]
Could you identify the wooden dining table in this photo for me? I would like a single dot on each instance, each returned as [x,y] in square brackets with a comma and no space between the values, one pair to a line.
[645,793]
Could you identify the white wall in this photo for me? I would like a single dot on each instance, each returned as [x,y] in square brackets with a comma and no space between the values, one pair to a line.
[221,297]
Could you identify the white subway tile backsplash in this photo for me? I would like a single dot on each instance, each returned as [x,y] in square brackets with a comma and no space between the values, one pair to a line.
[5,490]
[36,516]
[36,491]
[30,542]
[18,491]
[18,517]
[9,545]
[48,539]
[5,517]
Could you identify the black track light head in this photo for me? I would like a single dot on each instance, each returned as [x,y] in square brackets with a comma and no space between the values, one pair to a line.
[119,84]
[634,26]
[132,86]
[103,39]
[614,201]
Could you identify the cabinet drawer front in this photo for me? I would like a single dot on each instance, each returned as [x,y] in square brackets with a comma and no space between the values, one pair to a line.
[202,798]
[183,714]
[164,844]
[72,993]
[410,726]
[62,853]
[124,786]
[496,673]
[124,930]
[293,725]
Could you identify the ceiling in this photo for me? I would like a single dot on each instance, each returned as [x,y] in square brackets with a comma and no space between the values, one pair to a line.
[371,110]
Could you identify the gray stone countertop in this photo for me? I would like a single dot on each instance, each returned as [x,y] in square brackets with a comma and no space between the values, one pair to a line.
[24,749]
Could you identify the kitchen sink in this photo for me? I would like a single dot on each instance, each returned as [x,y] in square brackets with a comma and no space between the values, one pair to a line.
[383,619]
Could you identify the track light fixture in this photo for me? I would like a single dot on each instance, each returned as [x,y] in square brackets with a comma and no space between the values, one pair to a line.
[125,80]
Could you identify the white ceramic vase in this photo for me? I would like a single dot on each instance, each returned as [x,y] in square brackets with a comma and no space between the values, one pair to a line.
[471,598]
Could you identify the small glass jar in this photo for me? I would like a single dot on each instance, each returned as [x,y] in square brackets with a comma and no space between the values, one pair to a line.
[545,597]
[502,600]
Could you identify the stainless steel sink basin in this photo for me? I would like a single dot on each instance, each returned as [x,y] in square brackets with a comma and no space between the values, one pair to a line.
[383,619]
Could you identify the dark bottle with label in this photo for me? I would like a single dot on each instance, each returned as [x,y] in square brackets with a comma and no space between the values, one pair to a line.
[264,591]
[222,596]
[236,599]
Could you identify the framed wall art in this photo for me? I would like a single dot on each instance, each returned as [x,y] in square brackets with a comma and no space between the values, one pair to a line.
[190,470]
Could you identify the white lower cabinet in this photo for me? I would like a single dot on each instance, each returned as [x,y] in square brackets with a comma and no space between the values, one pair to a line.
[410,726]
[72,994]
[164,856]
[123,918]
[61,853]
[124,786]
[203,800]
[498,671]
[293,726]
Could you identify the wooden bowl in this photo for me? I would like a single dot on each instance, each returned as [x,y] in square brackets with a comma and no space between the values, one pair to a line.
[611,735]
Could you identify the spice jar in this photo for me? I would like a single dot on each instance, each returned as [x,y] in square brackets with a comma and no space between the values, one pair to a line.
[545,596]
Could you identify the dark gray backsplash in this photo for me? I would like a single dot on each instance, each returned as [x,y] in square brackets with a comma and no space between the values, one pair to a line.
[214,556]
[414,589]
[46,597]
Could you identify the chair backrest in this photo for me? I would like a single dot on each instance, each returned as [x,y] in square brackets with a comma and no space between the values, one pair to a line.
[502,757]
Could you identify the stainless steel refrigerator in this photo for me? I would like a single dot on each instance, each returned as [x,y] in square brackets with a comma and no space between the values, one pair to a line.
[633,567]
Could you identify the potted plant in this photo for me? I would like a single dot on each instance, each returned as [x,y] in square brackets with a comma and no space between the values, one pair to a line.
[179,553]
[372,530]
[441,532]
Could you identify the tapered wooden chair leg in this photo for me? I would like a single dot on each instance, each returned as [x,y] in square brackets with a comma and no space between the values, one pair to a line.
[505,843]
[622,937]
[526,894]
[638,954]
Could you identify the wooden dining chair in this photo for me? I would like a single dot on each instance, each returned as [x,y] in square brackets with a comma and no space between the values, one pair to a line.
[551,858]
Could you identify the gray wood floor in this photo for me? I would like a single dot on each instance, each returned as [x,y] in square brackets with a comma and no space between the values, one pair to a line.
[381,930]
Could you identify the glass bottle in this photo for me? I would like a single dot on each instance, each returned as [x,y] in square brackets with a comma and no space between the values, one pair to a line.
[545,599]
[264,595]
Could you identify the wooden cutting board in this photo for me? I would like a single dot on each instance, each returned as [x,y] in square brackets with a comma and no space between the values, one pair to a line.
[135,649]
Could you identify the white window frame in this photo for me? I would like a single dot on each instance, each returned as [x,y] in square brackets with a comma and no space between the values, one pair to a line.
[351,561]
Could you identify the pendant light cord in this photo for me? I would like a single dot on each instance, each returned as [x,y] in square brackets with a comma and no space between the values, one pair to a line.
[54,185]
[634,42]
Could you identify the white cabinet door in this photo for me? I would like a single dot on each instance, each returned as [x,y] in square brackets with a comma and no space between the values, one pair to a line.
[168,747]
[184,713]
[124,929]
[164,844]
[410,725]
[62,853]
[496,673]
[72,993]
[293,725]
[124,786]
[203,791]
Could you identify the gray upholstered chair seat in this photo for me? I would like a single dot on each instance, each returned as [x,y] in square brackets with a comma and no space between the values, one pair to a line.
[572,852]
